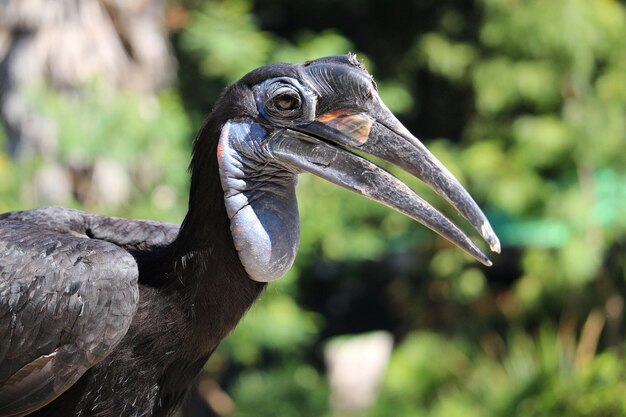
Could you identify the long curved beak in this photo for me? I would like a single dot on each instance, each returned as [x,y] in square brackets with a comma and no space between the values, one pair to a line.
[312,148]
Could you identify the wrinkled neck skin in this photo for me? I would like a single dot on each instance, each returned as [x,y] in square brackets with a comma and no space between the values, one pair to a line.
[260,200]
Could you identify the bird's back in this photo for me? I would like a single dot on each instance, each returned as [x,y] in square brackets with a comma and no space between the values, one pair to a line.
[68,294]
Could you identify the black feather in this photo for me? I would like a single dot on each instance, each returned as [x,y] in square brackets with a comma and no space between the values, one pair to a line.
[70,280]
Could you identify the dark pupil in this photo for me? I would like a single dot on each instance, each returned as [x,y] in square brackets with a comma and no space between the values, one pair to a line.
[287,102]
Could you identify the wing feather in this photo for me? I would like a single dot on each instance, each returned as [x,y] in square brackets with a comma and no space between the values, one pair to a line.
[68,293]
[126,233]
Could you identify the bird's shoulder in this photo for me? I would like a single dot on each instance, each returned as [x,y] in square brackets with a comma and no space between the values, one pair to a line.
[126,233]
[67,296]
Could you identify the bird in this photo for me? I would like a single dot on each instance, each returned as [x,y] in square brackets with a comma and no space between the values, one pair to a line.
[105,316]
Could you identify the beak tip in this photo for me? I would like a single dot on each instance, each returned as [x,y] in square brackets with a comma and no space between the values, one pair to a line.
[482,258]
[495,246]
[476,253]
[490,236]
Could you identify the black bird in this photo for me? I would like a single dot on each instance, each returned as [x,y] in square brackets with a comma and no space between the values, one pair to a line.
[104,316]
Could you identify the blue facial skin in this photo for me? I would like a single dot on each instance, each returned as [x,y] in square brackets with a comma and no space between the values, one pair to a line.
[260,200]
[264,92]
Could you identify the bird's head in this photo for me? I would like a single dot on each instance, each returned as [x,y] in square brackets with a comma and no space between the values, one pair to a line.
[285,119]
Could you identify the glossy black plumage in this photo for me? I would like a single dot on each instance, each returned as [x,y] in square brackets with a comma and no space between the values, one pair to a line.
[68,294]
[116,317]
[192,291]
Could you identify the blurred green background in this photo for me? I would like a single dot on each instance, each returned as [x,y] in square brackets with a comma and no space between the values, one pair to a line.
[523,100]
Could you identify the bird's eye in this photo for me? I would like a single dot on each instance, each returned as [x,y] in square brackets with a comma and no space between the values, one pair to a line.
[287,101]
[284,101]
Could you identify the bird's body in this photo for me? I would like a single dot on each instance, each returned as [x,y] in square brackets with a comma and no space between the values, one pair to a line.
[112,317]
[151,306]
[182,284]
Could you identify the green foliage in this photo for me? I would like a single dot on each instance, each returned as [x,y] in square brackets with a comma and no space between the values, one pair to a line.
[117,125]
[12,180]
[540,144]
[229,43]
[545,148]
[224,32]
[451,60]
[291,390]
[275,325]
[431,375]
[150,136]
[547,139]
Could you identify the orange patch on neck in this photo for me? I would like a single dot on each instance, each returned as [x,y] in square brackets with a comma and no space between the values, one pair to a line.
[220,152]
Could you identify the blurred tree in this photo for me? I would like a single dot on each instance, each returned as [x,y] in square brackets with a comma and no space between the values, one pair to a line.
[68,43]
[61,49]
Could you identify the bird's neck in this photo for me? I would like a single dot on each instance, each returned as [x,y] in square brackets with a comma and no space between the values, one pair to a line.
[204,270]
[260,200]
